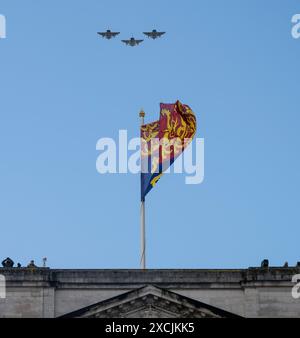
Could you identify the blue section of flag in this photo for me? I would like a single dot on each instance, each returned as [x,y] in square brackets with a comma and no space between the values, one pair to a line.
[147,178]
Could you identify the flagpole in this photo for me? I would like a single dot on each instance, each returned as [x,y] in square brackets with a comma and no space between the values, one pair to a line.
[143,228]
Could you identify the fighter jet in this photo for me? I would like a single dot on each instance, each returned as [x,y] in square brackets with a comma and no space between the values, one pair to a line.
[108,34]
[132,42]
[154,34]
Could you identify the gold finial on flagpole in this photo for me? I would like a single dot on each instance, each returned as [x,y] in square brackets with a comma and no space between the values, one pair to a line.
[142,116]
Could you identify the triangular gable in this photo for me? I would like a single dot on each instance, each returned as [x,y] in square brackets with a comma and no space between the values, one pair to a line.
[150,302]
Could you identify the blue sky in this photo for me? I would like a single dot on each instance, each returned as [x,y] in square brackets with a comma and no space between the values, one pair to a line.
[62,88]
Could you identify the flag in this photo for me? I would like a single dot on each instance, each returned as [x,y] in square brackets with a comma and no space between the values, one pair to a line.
[163,141]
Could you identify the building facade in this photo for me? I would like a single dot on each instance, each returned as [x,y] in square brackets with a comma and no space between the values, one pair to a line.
[49,293]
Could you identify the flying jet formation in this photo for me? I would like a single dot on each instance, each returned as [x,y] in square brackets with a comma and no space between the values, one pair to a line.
[108,34]
[132,42]
[154,34]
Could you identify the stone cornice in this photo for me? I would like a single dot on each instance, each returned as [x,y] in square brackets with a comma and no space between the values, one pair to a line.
[169,278]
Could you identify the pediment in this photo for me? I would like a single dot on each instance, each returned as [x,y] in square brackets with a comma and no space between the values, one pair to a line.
[150,302]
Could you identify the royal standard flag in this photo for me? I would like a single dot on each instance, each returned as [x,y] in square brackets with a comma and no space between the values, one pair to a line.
[163,141]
